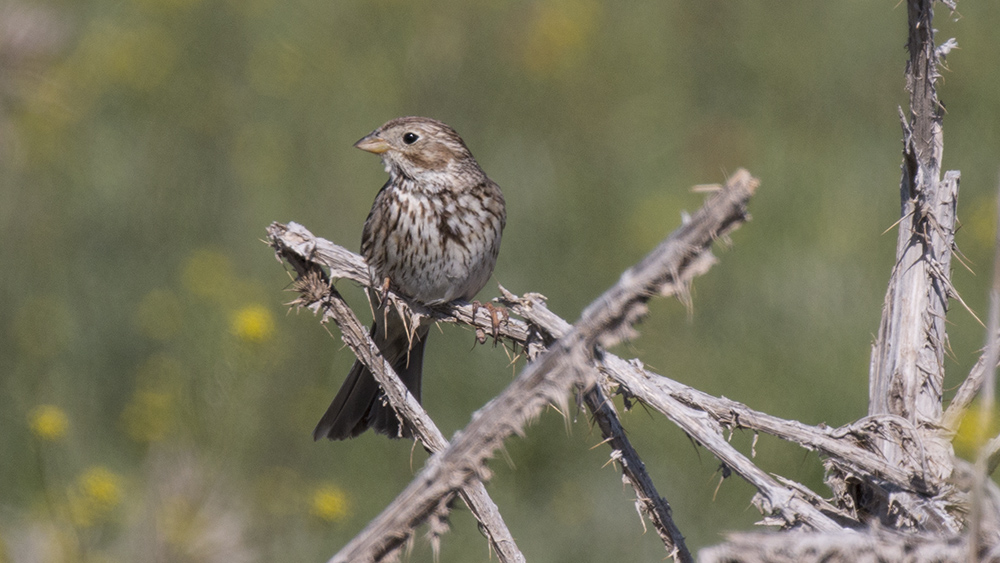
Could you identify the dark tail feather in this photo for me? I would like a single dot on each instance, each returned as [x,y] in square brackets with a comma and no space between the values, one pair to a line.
[360,403]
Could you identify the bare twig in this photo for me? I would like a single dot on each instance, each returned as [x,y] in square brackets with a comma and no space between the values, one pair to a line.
[966,393]
[634,472]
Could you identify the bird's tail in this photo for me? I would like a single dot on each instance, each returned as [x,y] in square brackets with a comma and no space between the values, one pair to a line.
[361,403]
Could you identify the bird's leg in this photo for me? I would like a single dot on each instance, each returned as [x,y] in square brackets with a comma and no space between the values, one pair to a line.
[384,292]
[496,314]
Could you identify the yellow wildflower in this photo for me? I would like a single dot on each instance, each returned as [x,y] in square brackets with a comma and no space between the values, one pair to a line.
[100,486]
[97,493]
[253,323]
[330,503]
[48,422]
[977,426]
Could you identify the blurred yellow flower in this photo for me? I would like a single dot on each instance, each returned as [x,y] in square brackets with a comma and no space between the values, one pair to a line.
[97,493]
[330,503]
[977,426]
[208,273]
[159,314]
[48,422]
[253,323]
[100,485]
[149,416]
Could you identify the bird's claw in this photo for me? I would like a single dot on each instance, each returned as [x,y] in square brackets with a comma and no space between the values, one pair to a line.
[383,292]
[497,314]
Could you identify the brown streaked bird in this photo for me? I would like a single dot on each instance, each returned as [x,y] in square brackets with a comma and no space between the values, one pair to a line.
[434,233]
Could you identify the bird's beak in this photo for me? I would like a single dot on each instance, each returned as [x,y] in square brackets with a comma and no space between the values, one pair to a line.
[373,143]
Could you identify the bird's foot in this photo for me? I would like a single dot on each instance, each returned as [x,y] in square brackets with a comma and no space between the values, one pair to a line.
[498,314]
[383,292]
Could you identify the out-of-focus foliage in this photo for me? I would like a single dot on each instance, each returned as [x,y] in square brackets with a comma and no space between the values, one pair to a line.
[157,399]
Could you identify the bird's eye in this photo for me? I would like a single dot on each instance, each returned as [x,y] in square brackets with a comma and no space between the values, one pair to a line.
[410,138]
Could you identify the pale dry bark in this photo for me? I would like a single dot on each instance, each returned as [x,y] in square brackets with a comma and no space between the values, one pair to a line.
[560,366]
[566,364]
[318,295]
[648,501]
[907,367]
[881,546]
[951,510]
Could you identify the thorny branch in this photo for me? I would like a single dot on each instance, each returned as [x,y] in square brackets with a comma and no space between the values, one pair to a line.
[906,378]
[907,365]
[318,295]
[849,448]
[648,501]
[952,507]
[566,363]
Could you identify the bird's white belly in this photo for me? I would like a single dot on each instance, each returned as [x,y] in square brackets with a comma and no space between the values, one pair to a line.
[438,263]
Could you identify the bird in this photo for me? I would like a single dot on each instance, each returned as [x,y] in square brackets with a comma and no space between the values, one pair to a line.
[432,235]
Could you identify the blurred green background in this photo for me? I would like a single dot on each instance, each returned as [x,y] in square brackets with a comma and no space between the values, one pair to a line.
[157,399]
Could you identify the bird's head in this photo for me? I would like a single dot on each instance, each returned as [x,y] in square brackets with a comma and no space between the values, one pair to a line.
[423,149]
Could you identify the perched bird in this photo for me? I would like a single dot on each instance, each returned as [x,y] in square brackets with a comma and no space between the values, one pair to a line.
[433,235]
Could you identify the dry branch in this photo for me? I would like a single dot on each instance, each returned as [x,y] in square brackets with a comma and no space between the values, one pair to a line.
[566,363]
[319,296]
[849,449]
[876,546]
[794,507]
[906,378]
[703,416]
[648,501]
[907,373]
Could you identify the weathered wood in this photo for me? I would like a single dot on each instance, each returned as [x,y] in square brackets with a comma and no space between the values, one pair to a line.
[648,500]
[906,378]
[876,546]
[849,448]
[789,503]
[318,295]
[565,364]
